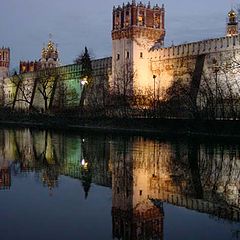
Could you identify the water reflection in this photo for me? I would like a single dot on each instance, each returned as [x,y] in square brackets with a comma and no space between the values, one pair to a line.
[144,174]
[50,155]
[196,176]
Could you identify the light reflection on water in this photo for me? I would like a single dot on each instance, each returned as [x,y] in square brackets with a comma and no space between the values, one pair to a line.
[58,186]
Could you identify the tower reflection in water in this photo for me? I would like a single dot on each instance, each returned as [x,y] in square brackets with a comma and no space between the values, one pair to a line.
[143,174]
[135,214]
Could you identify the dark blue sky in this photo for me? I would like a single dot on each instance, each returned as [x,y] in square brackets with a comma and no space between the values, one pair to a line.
[26,24]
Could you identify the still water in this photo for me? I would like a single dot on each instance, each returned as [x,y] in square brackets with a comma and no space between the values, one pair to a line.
[65,186]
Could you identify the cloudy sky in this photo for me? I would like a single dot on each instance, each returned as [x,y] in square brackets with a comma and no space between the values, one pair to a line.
[25,24]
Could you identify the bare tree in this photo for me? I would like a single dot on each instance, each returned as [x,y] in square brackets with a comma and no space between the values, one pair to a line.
[24,88]
[67,97]
[219,95]
[177,101]
[122,93]
[47,84]
[98,97]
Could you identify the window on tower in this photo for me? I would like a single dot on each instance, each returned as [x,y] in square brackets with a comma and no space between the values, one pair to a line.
[157,20]
[127,19]
[117,21]
[141,20]
[118,56]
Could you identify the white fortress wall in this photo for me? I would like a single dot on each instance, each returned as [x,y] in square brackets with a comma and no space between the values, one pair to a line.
[143,77]
[122,59]
[178,62]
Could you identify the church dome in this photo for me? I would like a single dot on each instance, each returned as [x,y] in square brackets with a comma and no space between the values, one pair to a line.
[50,55]
[44,52]
[232,13]
[51,46]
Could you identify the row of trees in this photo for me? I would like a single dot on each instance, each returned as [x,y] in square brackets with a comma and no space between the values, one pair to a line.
[48,91]
[217,96]
[26,89]
[210,93]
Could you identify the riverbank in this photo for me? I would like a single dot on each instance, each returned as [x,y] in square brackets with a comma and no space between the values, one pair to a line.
[133,126]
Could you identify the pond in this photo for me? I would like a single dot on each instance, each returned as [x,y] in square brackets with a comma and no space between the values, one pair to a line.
[57,185]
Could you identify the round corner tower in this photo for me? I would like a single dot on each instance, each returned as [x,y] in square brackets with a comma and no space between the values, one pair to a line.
[136,28]
[4,62]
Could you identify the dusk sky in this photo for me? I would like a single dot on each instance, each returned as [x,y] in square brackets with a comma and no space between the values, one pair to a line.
[25,25]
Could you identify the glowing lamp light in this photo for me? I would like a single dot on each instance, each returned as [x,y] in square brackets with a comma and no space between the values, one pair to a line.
[84,81]
[84,164]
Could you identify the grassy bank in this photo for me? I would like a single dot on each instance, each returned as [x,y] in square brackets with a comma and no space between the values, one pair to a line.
[139,126]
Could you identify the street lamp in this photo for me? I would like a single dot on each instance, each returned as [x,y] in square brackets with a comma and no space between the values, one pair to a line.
[84,81]
[216,69]
[154,84]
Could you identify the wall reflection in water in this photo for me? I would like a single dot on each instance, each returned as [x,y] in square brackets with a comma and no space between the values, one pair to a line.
[143,174]
[50,155]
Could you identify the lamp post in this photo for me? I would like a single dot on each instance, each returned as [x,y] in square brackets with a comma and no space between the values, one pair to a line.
[84,83]
[154,84]
[216,70]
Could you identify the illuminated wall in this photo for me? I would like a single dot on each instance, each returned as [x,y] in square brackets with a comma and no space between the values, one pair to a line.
[137,48]
[62,86]
[136,28]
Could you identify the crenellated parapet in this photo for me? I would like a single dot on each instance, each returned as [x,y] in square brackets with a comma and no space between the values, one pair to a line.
[138,20]
[28,66]
[216,45]
[102,67]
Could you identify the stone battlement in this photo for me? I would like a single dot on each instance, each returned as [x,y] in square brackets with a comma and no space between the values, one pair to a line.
[134,4]
[140,15]
[4,57]
[5,48]
[101,66]
[216,45]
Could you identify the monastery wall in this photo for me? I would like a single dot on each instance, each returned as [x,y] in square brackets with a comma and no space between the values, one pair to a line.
[215,45]
[68,87]
[180,62]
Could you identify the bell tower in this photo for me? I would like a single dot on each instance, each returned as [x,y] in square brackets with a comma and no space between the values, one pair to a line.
[232,25]
[4,70]
[4,62]
[136,28]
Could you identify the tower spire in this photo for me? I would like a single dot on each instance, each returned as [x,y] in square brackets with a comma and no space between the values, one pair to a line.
[50,36]
[232,25]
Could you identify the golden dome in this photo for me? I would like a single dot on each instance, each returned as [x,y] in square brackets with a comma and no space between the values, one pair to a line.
[50,46]
[50,53]
[232,13]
